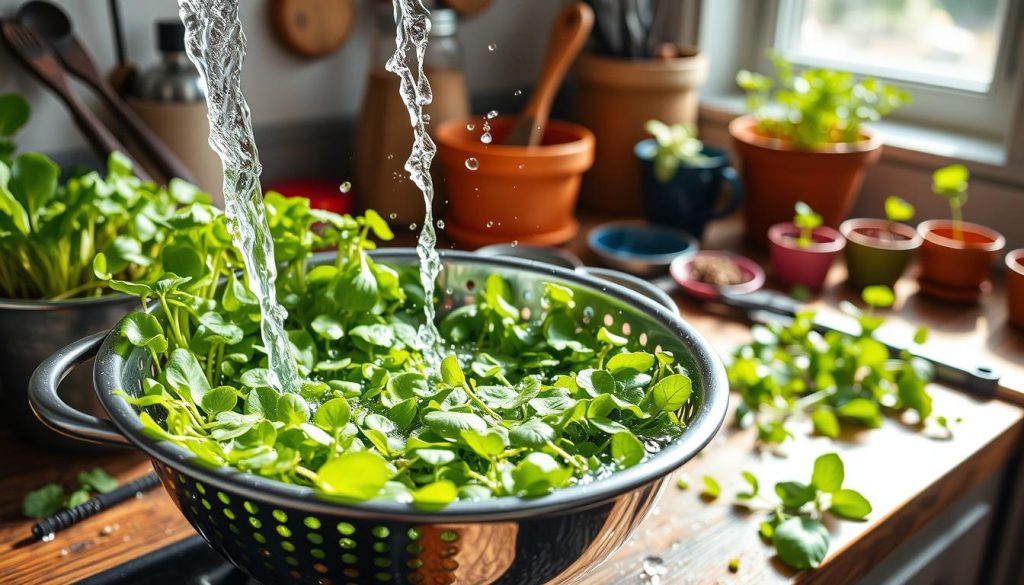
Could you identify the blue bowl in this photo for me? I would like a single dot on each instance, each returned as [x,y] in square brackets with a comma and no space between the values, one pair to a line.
[638,247]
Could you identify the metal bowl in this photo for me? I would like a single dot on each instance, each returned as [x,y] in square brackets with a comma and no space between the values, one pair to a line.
[281,533]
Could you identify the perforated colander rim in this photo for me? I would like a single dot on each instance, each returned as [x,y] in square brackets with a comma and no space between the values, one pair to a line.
[706,420]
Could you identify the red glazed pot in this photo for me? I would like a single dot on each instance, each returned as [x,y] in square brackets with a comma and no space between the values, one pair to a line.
[1015,287]
[803,266]
[957,270]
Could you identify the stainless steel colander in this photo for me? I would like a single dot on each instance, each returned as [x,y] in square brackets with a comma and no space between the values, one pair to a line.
[282,533]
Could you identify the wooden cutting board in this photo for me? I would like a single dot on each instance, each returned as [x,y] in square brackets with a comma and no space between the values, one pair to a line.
[312,28]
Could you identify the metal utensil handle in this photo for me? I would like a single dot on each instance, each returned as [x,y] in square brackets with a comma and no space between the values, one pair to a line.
[65,518]
[57,414]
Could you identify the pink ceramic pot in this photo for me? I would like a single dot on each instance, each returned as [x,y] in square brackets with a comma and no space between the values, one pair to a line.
[803,266]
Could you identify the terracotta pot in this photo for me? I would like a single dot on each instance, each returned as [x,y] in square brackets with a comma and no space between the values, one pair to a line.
[877,251]
[501,194]
[776,176]
[614,98]
[1015,287]
[957,270]
[803,266]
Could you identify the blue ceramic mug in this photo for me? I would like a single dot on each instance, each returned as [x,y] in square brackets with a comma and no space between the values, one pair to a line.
[691,198]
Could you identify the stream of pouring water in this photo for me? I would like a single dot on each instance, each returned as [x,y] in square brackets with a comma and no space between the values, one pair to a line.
[216,45]
[412,32]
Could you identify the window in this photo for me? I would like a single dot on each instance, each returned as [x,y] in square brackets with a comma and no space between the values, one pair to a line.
[946,43]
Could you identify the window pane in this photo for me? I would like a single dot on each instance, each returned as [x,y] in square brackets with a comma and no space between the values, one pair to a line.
[943,42]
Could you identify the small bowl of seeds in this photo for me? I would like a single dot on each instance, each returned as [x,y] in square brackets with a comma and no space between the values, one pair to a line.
[708,274]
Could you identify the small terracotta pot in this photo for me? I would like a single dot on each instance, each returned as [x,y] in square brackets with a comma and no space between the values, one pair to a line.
[776,176]
[803,266]
[877,251]
[953,269]
[1015,287]
[501,194]
[614,98]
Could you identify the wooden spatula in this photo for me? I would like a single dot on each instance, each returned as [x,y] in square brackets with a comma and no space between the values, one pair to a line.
[570,31]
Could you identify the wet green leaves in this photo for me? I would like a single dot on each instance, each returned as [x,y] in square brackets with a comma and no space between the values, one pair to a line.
[518,407]
[50,499]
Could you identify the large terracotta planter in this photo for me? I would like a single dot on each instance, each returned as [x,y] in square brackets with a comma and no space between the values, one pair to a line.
[957,269]
[776,176]
[614,98]
[1015,287]
[501,194]
[796,266]
[877,251]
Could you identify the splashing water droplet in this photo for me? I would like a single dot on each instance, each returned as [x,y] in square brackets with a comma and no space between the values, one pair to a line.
[440,224]
[653,569]
[492,47]
[392,215]
[515,243]
[518,93]
[470,126]
[492,114]
[472,164]
[521,166]
[486,138]
[412,226]
[345,187]
[490,224]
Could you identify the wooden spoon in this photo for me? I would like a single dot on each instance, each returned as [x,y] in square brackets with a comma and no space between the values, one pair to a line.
[570,31]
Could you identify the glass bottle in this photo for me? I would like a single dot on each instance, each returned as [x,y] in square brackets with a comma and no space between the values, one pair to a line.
[384,136]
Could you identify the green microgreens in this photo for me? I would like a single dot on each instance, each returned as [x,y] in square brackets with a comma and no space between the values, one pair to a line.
[676,144]
[517,407]
[807,221]
[50,232]
[794,525]
[951,183]
[792,371]
[50,499]
[816,107]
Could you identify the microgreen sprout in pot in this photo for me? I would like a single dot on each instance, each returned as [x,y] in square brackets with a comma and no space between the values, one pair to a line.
[951,182]
[517,407]
[50,232]
[676,144]
[816,107]
[897,210]
[807,221]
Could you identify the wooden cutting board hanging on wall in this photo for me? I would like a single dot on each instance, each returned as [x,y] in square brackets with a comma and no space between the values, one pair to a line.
[312,28]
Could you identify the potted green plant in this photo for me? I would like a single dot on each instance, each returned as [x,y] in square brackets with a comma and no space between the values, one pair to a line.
[49,234]
[956,256]
[877,251]
[683,179]
[621,82]
[802,250]
[805,140]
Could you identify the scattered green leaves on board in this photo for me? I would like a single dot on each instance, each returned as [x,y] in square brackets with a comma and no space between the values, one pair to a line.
[51,498]
[794,524]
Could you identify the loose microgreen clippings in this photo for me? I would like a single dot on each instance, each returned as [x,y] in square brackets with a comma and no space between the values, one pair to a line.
[515,407]
[51,498]
[792,371]
[794,525]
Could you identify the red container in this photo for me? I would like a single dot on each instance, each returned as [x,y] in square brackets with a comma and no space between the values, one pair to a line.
[803,266]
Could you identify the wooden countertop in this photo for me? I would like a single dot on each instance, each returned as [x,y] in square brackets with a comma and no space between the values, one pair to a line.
[909,476]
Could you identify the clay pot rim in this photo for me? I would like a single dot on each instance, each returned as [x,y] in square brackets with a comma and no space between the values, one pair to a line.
[447,135]
[849,230]
[926,231]
[715,157]
[1015,261]
[781,234]
[688,71]
[741,130]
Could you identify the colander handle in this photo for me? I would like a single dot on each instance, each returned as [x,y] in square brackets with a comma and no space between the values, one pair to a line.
[53,411]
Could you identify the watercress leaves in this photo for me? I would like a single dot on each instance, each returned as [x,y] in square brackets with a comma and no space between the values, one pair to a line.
[671,392]
[356,476]
[802,543]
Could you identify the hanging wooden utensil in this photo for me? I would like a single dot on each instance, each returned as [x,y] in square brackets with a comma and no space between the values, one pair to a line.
[312,28]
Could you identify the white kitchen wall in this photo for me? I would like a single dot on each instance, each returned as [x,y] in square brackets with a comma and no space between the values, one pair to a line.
[280,87]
